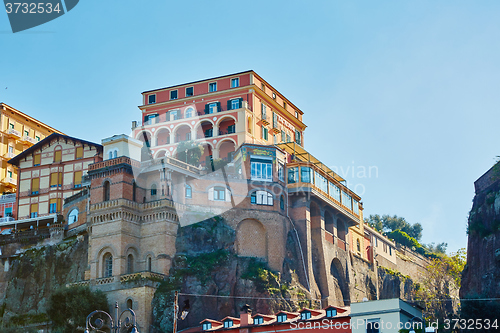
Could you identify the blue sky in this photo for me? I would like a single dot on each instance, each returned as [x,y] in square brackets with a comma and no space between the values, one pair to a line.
[408,88]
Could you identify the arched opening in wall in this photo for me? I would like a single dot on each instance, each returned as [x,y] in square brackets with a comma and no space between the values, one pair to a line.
[163,137]
[129,304]
[205,130]
[161,154]
[145,137]
[339,287]
[227,126]
[130,264]
[105,189]
[107,265]
[249,125]
[207,156]
[182,133]
[226,150]
[154,191]
[149,264]
[251,239]
[341,230]
[329,225]
[315,216]
[189,112]
[358,246]
[134,191]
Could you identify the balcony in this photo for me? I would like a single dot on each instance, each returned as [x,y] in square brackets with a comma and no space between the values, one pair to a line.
[265,119]
[13,133]
[29,140]
[9,155]
[9,181]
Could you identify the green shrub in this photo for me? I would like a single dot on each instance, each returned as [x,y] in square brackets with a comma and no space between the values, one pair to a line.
[68,308]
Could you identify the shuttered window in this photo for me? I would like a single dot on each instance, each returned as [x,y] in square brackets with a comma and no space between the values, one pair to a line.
[78,179]
[52,206]
[58,156]
[36,160]
[35,185]
[34,210]
[79,152]
[53,179]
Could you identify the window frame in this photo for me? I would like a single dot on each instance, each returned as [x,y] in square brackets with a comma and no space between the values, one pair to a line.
[228,323]
[192,91]
[331,312]
[174,92]
[261,169]
[188,192]
[212,87]
[259,320]
[217,191]
[305,315]
[153,97]
[235,82]
[281,318]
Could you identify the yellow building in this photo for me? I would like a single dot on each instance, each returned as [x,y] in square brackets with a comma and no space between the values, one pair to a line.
[18,132]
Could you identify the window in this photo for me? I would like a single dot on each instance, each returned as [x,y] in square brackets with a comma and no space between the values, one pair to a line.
[390,250]
[293,175]
[297,137]
[281,172]
[213,107]
[274,96]
[231,129]
[188,136]
[282,136]
[275,120]
[212,87]
[358,245]
[79,152]
[9,174]
[151,99]
[355,207]
[108,265]
[284,105]
[261,169]
[235,83]
[56,179]
[305,315]
[129,303]
[334,191]
[188,191]
[235,104]
[189,113]
[331,312]
[275,139]
[36,160]
[34,210]
[207,326]
[37,138]
[174,115]
[77,179]
[219,193]
[385,247]
[106,191]
[372,326]
[115,153]
[296,115]
[53,206]
[110,154]
[261,198]
[11,150]
[228,323]
[73,216]
[321,182]
[281,318]
[282,203]
[58,155]
[346,200]
[209,132]
[130,264]
[173,94]
[249,125]
[7,212]
[258,320]
[263,86]
[153,190]
[11,125]
[288,138]
[264,133]
[263,111]
[26,133]
[35,186]
[189,91]
[306,175]
[149,264]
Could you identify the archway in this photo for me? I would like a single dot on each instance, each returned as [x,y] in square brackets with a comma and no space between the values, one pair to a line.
[226,150]
[205,130]
[227,125]
[182,133]
[163,137]
[251,239]
[340,294]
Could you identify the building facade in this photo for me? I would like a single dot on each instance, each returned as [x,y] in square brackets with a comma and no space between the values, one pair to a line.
[18,132]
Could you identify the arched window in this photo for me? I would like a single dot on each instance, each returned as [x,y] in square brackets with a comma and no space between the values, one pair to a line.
[282,203]
[107,265]
[358,245]
[249,125]
[115,154]
[134,189]
[110,154]
[130,264]
[73,216]
[106,191]
[149,264]
[153,190]
[129,304]
[189,113]
[188,191]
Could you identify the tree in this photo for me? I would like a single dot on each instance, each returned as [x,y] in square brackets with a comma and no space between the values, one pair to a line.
[388,223]
[189,152]
[68,308]
[440,286]
[437,248]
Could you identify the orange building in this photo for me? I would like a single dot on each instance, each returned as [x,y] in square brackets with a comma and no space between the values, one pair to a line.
[219,113]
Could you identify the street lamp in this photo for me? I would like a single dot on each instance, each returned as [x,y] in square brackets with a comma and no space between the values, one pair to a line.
[115,328]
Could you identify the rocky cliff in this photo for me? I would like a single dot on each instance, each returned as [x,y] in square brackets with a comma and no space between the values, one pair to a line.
[481,276]
[30,278]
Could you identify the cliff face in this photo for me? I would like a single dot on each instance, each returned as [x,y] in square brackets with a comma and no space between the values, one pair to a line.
[35,274]
[481,276]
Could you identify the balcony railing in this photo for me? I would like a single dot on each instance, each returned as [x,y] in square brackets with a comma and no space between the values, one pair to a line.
[9,180]
[14,133]
[29,139]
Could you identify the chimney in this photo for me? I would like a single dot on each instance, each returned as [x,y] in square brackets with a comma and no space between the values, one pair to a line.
[245,315]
